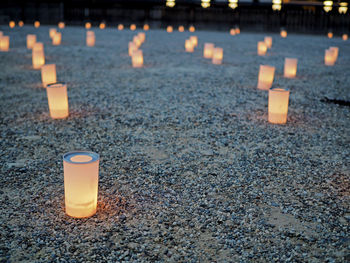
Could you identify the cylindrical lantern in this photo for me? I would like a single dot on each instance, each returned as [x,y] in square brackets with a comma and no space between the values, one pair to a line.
[52,32]
[48,74]
[36,24]
[238,31]
[329,57]
[194,40]
[278,105]
[336,52]
[232,32]
[142,36]
[169,29]
[268,42]
[181,29]
[90,38]
[58,100]
[80,183]
[345,37]
[87,25]
[330,35]
[56,40]
[266,75]
[61,25]
[38,59]
[20,23]
[290,67]
[218,54]
[208,50]
[120,27]
[132,48]
[31,40]
[262,48]
[146,27]
[283,33]
[192,29]
[132,27]
[102,26]
[189,45]
[137,41]
[4,43]
[137,59]
[12,24]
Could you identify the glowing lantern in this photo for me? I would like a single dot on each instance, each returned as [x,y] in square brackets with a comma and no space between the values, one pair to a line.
[345,37]
[12,24]
[48,74]
[57,39]
[268,42]
[194,40]
[38,56]
[142,36]
[87,25]
[137,59]
[218,55]
[80,183]
[233,4]
[58,100]
[4,43]
[181,29]
[327,5]
[237,30]
[208,50]
[31,40]
[330,35]
[169,29]
[20,23]
[283,33]
[36,24]
[132,27]
[1,33]
[343,8]
[120,27]
[102,25]
[90,38]
[137,41]
[132,48]
[146,27]
[262,48]
[335,52]
[170,3]
[290,67]
[61,25]
[266,75]
[192,29]
[329,57]
[232,32]
[52,32]
[278,105]
[189,45]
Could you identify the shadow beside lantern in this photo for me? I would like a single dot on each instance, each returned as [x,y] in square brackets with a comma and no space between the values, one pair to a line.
[278,105]
[58,100]
[266,76]
[80,183]
[290,67]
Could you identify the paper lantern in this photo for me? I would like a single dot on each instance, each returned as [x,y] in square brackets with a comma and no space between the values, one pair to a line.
[52,32]
[56,40]
[345,37]
[262,48]
[132,27]
[61,25]
[329,57]
[146,27]
[4,43]
[268,42]
[120,27]
[336,52]
[330,35]
[208,50]
[237,30]
[192,29]
[169,29]
[38,55]
[1,33]
[142,36]
[132,48]
[90,38]
[137,59]
[278,105]
[31,40]
[181,29]
[137,41]
[283,33]
[290,67]
[58,100]
[36,24]
[80,170]
[12,24]
[87,25]
[194,40]
[48,74]
[102,25]
[266,75]
[189,45]
[232,32]
[20,23]
[218,54]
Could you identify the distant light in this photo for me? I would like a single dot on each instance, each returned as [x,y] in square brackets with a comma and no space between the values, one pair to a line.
[276,5]
[233,4]
[205,3]
[20,23]
[170,3]
[343,8]
[327,5]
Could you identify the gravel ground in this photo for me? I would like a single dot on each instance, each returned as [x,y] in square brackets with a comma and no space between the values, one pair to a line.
[190,171]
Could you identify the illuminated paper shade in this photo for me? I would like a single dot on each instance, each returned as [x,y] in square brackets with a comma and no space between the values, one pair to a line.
[290,67]
[278,105]
[329,57]
[192,29]
[31,40]
[80,183]
[132,48]
[52,32]
[120,27]
[146,27]
[189,45]
[137,59]
[1,33]
[132,27]
[56,40]
[218,55]
[262,48]
[87,25]
[345,37]
[169,29]
[238,31]
[268,42]
[61,25]
[330,35]
[336,52]
[36,24]
[137,41]
[194,40]
[12,24]
[20,23]
[283,33]
[48,74]
[208,50]
[232,32]
[58,100]
[4,43]
[181,29]
[266,75]
[102,26]
[90,38]
[142,36]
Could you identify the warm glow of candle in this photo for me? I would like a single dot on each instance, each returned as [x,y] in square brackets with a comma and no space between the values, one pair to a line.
[329,57]
[56,40]
[80,183]
[4,43]
[12,24]
[36,24]
[268,42]
[278,105]
[194,40]
[181,29]
[90,38]
[132,48]
[52,32]
[137,59]
[146,27]
[169,29]
[38,55]
[48,74]
[345,37]
[20,23]
[132,27]
[335,53]
[330,35]
[238,31]
[218,55]
[120,27]
[137,41]
[208,50]
[283,33]
[87,25]
[192,29]
[262,48]
[189,45]
[31,40]
[61,25]
[232,32]
[58,100]
[102,25]
[142,36]
[266,75]
[290,67]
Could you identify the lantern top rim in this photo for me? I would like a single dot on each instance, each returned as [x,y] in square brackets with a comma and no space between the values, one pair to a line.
[56,84]
[67,157]
[278,89]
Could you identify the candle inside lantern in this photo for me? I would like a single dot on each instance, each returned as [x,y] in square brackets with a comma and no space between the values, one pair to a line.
[4,43]
[290,67]
[137,59]
[169,29]
[120,27]
[330,35]
[181,29]
[329,57]
[132,48]
[208,50]
[31,40]
[192,29]
[266,75]
[36,24]
[232,32]
[262,48]
[278,105]
[52,32]
[189,45]
[20,23]
[58,100]
[48,74]
[38,55]
[142,37]
[61,25]
[56,40]
[102,25]
[146,27]
[268,42]
[12,24]
[283,33]
[132,27]
[345,37]
[218,54]
[80,183]
[194,40]
[90,38]
[87,25]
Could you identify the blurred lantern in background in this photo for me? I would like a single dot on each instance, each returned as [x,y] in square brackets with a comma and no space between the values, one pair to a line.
[48,74]
[58,100]
[142,37]
[268,42]
[276,5]
[4,43]
[232,32]
[169,29]
[61,25]
[329,57]
[52,32]
[283,33]
[290,67]
[36,24]
[132,27]
[31,40]
[237,30]
[170,3]
[218,55]
[343,8]
[38,55]
[120,27]
[90,38]
[345,37]
[131,48]
[208,50]
[336,52]
[137,59]
[102,25]
[87,25]
[233,4]
[12,24]
[189,45]
[146,27]
[137,41]
[330,34]
[194,40]
[262,48]
[56,40]
[266,76]
[278,105]
[327,5]
[20,23]
[181,29]
[205,3]
[192,29]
